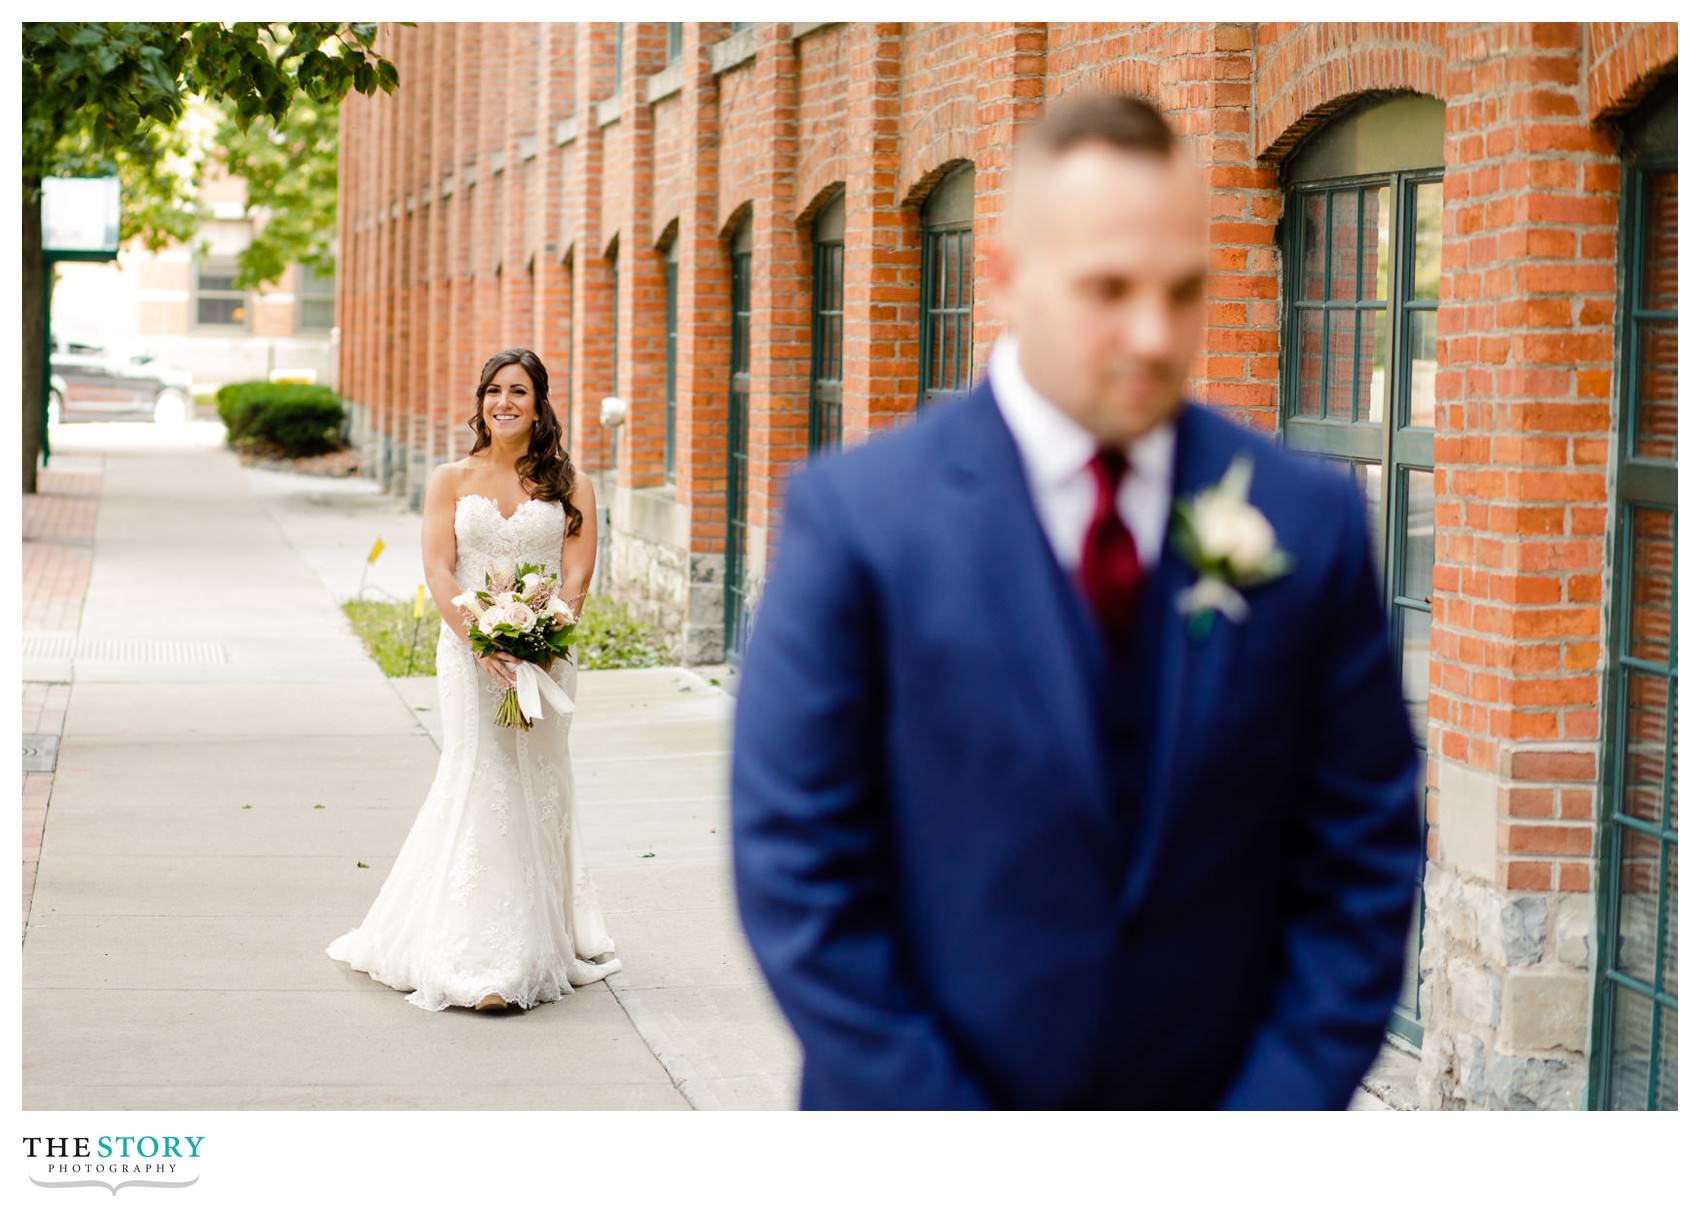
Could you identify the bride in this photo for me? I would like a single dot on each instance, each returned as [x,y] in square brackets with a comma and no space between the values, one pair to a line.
[488,904]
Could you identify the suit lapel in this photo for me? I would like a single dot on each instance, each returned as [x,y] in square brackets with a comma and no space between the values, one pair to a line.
[1053,646]
[1189,670]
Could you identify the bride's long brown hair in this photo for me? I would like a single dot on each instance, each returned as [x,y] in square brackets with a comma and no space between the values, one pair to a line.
[545,469]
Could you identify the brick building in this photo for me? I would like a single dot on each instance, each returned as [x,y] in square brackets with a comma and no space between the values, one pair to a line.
[1444,256]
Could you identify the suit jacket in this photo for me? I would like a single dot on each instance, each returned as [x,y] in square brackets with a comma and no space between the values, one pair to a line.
[925,830]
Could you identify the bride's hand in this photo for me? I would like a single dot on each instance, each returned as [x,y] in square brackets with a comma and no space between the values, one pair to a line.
[500,667]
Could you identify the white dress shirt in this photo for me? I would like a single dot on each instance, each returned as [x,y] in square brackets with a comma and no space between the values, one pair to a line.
[1056,451]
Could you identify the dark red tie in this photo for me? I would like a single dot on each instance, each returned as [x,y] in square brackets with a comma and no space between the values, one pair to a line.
[1109,561]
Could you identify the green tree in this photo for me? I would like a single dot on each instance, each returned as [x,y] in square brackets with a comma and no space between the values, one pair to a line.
[107,96]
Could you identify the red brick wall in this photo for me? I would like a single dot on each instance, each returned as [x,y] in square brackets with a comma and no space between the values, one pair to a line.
[1524,395]
[1624,60]
[883,110]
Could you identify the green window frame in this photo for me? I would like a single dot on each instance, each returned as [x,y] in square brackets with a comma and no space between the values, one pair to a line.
[675,41]
[737,622]
[670,266]
[826,330]
[619,57]
[614,349]
[1632,1055]
[1360,238]
[947,287]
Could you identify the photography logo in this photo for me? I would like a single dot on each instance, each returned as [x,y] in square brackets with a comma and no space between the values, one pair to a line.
[113,1162]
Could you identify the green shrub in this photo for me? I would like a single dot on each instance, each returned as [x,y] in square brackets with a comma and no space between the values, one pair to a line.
[607,637]
[301,418]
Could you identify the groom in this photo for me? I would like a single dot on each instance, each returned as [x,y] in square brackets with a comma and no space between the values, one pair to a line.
[1012,828]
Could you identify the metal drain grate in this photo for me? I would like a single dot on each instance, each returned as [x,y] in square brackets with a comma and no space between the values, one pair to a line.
[124,652]
[41,752]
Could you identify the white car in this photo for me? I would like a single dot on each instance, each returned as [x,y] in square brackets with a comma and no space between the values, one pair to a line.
[93,382]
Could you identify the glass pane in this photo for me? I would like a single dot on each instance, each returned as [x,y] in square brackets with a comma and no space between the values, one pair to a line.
[1667,1060]
[220,311]
[1425,277]
[1313,246]
[1369,479]
[1342,337]
[1652,574]
[1413,643]
[318,313]
[1378,226]
[1343,271]
[1668,981]
[1309,401]
[211,280]
[1645,697]
[1632,1035]
[1655,389]
[1637,904]
[1418,580]
[1424,362]
[1658,252]
[1374,359]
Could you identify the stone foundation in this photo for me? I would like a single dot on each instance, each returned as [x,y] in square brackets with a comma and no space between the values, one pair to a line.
[1505,995]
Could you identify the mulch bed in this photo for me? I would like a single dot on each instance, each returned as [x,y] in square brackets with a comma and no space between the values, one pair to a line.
[338,463]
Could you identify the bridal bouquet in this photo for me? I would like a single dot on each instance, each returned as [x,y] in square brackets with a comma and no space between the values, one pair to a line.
[518,613]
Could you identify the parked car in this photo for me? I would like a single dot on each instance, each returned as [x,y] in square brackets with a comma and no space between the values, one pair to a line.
[94,382]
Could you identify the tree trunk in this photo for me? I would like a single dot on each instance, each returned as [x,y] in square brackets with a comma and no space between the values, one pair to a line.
[35,373]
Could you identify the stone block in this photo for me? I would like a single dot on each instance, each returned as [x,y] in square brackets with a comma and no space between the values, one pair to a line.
[704,645]
[1533,1083]
[1573,930]
[1467,813]
[707,607]
[1545,1008]
[1523,929]
[1475,991]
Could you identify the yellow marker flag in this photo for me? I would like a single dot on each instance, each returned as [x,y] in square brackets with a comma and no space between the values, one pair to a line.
[419,602]
[377,550]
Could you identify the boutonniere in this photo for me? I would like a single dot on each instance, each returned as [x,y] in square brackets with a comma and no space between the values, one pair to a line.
[1229,543]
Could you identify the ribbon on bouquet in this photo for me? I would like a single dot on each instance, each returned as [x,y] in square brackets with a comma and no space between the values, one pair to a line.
[532,686]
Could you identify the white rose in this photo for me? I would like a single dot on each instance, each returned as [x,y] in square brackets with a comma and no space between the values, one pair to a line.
[1229,528]
[560,610]
[530,582]
[521,616]
[468,602]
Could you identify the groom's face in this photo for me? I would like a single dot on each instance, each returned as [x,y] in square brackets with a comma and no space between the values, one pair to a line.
[1099,271]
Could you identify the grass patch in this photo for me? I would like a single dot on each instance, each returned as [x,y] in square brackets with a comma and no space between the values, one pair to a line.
[608,637]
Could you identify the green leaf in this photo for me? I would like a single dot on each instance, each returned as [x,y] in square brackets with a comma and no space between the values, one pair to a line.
[318,806]
[247,807]
[358,863]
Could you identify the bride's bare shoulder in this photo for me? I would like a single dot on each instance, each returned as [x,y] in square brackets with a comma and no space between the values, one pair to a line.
[446,480]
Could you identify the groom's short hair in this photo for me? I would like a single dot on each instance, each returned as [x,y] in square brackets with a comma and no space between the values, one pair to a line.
[1119,120]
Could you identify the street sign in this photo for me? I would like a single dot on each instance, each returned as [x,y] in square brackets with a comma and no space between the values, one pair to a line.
[79,218]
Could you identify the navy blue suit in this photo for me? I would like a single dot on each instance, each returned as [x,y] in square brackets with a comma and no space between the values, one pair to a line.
[983,863]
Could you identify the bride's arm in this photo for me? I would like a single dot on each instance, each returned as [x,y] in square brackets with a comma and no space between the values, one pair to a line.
[578,551]
[439,547]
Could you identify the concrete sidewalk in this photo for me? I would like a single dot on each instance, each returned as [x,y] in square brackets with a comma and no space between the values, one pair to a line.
[188,883]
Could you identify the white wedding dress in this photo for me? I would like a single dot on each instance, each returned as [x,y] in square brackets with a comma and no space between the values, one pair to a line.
[489,892]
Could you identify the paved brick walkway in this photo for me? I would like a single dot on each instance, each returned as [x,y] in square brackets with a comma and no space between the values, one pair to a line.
[59,523]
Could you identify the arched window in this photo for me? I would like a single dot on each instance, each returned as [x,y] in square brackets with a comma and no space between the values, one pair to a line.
[947,286]
[1361,241]
[1634,1047]
[826,358]
[738,444]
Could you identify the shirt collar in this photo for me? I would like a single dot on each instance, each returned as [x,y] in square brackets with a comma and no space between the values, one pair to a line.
[1055,446]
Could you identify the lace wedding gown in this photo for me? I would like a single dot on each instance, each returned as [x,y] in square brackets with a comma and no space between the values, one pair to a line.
[489,893]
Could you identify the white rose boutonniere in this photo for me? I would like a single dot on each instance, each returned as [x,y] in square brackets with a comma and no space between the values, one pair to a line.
[1230,544]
